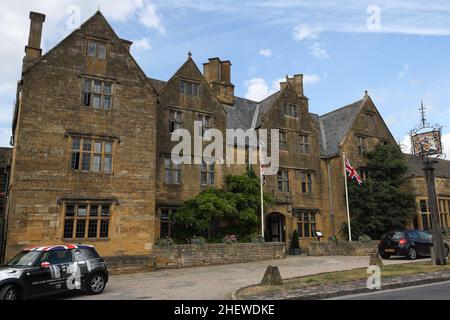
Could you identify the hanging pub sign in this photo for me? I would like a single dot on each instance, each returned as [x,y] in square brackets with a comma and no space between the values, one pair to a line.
[427,143]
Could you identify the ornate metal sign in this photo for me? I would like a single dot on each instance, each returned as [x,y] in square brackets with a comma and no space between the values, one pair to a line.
[427,143]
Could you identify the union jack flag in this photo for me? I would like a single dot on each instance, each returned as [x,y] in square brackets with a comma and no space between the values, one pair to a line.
[352,173]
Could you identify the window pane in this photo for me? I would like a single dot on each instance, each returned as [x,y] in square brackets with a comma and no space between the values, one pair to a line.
[86,164]
[105,211]
[307,233]
[82,211]
[101,51]
[108,147]
[81,227]
[107,88]
[87,145]
[76,144]
[108,164]
[96,101]
[106,102]
[97,86]
[94,211]
[75,162]
[87,85]
[97,147]
[104,228]
[168,176]
[92,230]
[70,211]
[68,229]
[97,163]
[92,49]
[300,230]
[86,99]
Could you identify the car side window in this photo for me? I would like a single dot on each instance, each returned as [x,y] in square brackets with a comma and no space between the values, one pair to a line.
[56,257]
[413,235]
[425,235]
[84,254]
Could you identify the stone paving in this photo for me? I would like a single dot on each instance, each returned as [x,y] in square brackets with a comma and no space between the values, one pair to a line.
[218,282]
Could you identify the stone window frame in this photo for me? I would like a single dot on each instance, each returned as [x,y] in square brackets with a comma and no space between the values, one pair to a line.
[79,154]
[291,110]
[444,208]
[283,140]
[304,144]
[90,93]
[175,119]
[96,45]
[283,180]
[306,182]
[172,172]
[93,224]
[207,174]
[361,143]
[306,223]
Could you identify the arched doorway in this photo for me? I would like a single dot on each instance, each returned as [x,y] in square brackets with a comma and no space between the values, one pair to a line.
[275,227]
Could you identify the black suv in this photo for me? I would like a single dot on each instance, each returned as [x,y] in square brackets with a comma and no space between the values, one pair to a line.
[407,243]
[41,271]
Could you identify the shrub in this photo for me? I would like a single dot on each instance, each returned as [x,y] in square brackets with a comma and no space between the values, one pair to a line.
[295,241]
[365,239]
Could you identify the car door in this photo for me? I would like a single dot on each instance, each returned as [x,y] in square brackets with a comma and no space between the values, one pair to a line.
[37,280]
[427,242]
[415,238]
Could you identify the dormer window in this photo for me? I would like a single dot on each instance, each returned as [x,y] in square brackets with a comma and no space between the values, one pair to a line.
[290,110]
[96,49]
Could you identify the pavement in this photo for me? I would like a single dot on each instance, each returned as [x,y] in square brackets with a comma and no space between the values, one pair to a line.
[435,291]
[217,282]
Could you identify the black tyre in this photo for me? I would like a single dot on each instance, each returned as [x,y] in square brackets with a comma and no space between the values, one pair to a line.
[412,253]
[385,256]
[96,284]
[9,292]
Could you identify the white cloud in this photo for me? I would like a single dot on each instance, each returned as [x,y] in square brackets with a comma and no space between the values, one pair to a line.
[310,78]
[142,44]
[405,144]
[404,71]
[151,19]
[446,144]
[258,89]
[265,53]
[318,51]
[303,32]
[390,120]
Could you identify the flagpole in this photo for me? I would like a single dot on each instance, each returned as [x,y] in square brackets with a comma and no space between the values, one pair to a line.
[261,181]
[346,198]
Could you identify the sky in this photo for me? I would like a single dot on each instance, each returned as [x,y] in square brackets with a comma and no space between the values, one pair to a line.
[396,50]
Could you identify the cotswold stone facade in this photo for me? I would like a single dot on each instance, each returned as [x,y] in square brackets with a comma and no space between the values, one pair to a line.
[92,142]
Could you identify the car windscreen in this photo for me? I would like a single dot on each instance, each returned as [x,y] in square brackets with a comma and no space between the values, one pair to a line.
[24,259]
[393,236]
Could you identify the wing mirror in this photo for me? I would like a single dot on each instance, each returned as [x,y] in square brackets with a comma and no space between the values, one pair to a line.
[45,265]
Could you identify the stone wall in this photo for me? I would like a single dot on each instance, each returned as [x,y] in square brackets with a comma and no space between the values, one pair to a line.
[342,248]
[183,256]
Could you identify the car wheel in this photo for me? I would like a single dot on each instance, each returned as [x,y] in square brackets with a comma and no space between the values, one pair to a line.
[96,284]
[9,292]
[412,253]
[385,256]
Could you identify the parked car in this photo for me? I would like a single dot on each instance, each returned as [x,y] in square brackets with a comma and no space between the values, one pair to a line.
[407,243]
[41,271]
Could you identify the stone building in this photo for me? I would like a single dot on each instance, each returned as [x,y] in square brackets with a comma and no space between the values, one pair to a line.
[5,165]
[92,143]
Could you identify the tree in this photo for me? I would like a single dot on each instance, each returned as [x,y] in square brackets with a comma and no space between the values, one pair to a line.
[381,204]
[236,206]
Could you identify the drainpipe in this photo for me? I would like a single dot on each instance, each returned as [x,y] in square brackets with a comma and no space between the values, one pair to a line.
[4,218]
[330,196]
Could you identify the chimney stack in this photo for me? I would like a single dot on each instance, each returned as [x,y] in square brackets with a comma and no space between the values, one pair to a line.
[218,75]
[33,50]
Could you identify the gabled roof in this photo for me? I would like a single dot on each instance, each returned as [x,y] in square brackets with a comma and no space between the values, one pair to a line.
[5,157]
[240,115]
[157,84]
[335,126]
[415,167]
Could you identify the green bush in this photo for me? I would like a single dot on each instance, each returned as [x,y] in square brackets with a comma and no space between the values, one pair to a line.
[295,240]
[365,239]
